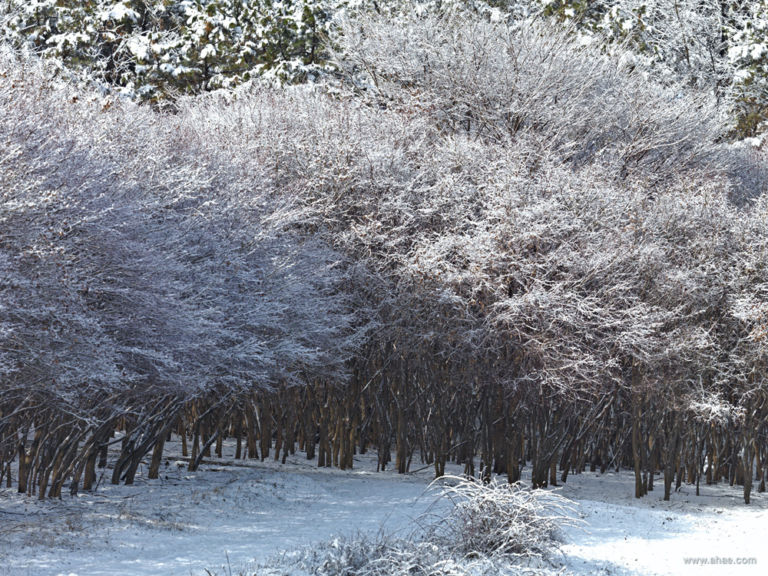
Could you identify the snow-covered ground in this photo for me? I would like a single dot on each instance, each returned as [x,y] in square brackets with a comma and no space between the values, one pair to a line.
[714,533]
[228,516]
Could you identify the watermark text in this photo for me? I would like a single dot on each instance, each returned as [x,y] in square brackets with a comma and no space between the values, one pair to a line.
[720,561]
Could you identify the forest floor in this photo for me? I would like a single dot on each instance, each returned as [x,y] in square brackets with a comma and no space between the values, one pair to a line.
[232,516]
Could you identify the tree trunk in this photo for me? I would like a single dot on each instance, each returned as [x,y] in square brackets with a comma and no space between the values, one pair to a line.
[637,443]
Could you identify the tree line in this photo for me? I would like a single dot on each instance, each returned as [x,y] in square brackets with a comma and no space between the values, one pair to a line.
[157,50]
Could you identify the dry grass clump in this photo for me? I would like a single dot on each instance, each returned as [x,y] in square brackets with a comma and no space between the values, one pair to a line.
[486,529]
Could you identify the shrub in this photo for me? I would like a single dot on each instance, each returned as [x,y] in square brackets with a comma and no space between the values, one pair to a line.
[487,528]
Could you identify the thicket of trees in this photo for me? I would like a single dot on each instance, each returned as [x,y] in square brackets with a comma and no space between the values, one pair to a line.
[488,244]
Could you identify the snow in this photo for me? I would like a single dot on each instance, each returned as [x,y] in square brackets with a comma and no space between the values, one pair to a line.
[755,142]
[207,51]
[185,522]
[119,13]
[139,46]
[624,535]
[235,514]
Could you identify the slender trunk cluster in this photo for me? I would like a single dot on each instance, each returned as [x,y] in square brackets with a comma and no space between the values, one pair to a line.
[411,423]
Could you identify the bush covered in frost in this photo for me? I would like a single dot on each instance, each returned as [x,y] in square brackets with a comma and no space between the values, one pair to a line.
[485,530]
[498,519]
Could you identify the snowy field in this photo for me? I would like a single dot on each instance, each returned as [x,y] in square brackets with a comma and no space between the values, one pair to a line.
[228,517]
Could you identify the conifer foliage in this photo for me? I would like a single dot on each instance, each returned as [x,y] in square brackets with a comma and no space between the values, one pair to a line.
[157,49]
